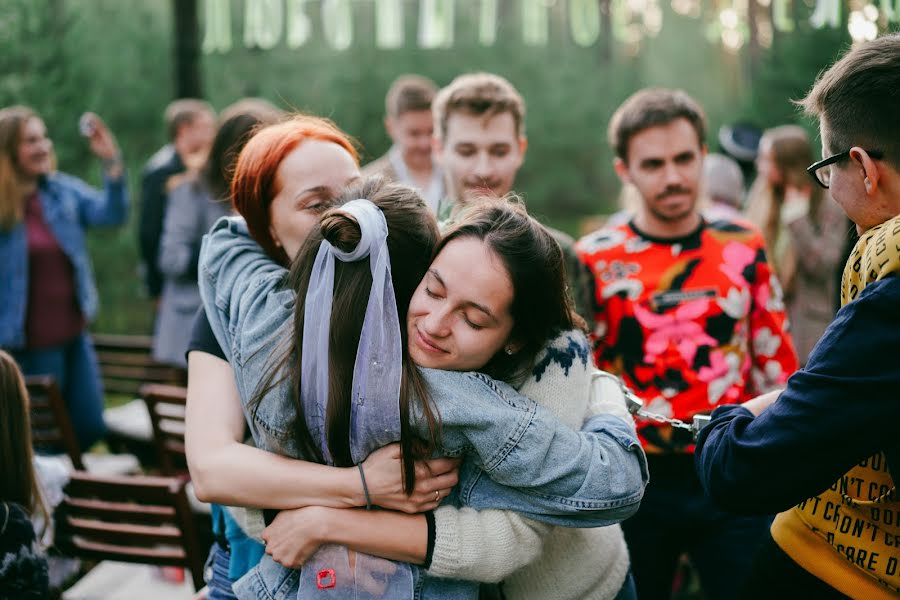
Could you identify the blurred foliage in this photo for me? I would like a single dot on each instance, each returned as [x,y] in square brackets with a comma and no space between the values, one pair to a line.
[63,57]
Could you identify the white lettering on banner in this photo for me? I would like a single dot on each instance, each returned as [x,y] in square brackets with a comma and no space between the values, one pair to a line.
[217,15]
[389,23]
[535,25]
[827,12]
[299,26]
[337,23]
[487,23]
[266,21]
[584,21]
[263,23]
[781,15]
[436,20]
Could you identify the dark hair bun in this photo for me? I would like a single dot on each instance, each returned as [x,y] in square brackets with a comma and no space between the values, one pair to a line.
[340,229]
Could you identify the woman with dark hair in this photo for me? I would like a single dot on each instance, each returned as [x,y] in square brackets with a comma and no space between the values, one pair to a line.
[23,569]
[48,295]
[537,466]
[804,229]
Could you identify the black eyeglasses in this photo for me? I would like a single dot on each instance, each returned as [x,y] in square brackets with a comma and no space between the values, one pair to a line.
[821,171]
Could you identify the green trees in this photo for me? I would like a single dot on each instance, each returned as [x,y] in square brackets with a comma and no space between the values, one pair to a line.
[66,56]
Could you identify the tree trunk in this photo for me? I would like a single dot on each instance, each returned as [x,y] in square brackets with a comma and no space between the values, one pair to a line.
[187,49]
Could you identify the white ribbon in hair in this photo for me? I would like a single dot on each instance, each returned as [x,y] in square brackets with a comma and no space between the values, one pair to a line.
[375,408]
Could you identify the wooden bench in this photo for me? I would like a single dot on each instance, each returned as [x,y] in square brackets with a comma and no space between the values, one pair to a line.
[143,520]
[51,427]
[126,364]
[166,404]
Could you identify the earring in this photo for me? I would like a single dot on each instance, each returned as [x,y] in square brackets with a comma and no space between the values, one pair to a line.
[509,350]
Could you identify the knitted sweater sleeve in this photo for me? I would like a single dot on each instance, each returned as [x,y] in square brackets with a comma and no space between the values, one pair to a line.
[486,545]
[489,545]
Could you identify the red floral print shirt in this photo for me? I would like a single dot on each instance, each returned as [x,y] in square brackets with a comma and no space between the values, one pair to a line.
[688,323]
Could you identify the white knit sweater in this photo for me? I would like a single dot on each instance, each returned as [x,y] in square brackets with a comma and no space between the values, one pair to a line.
[534,560]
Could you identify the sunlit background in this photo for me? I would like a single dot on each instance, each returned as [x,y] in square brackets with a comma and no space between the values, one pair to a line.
[573,60]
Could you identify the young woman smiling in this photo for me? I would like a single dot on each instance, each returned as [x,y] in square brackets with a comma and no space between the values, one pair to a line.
[601,471]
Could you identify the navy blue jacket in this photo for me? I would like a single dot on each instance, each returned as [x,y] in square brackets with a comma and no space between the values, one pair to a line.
[842,408]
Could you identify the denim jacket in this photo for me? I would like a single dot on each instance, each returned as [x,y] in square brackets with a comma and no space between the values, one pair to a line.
[519,457]
[69,206]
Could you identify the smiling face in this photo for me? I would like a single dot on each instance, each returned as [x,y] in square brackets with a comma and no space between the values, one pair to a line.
[480,156]
[34,155]
[308,179]
[459,316]
[665,164]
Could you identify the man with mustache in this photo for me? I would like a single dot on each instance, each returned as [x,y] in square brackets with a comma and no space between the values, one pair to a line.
[479,141]
[690,315]
[409,125]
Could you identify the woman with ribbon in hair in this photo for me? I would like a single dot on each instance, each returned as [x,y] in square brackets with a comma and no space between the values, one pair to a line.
[533,464]
[290,174]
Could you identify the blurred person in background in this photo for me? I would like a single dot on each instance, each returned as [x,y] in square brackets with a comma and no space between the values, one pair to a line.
[190,125]
[804,230]
[740,142]
[479,140]
[23,567]
[194,205]
[723,186]
[410,127]
[687,314]
[48,295]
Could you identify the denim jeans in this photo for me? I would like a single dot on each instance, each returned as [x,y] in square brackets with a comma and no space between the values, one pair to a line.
[676,517]
[218,582]
[77,373]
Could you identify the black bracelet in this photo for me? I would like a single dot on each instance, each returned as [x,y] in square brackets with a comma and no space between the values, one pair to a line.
[362,476]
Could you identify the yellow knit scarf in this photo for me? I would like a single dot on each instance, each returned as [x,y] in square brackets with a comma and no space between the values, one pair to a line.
[875,256]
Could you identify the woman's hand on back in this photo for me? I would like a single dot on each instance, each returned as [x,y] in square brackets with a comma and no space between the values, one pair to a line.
[384,478]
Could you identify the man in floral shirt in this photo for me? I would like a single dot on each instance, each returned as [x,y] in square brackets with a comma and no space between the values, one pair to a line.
[690,315]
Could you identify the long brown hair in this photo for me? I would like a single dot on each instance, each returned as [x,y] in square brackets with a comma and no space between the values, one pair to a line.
[18,483]
[792,152]
[412,237]
[12,206]
[541,308]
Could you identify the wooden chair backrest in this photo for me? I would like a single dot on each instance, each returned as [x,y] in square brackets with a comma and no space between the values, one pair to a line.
[126,364]
[166,404]
[136,519]
[51,426]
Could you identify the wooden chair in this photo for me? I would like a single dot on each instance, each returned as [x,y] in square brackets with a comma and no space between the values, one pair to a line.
[166,404]
[135,519]
[126,364]
[51,427]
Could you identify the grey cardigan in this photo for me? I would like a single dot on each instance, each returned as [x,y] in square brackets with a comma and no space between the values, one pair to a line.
[191,213]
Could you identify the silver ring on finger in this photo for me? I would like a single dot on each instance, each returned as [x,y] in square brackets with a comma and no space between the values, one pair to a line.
[437,495]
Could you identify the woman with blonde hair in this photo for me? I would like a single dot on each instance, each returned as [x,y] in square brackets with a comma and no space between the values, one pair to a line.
[803,228]
[48,294]
[23,570]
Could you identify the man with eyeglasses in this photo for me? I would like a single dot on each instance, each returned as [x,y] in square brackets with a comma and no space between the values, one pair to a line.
[826,450]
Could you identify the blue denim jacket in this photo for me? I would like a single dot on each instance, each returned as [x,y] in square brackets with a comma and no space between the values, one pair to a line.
[519,457]
[69,206]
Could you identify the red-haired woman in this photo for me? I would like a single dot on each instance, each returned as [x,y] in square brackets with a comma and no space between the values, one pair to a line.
[286,176]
